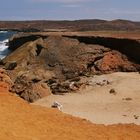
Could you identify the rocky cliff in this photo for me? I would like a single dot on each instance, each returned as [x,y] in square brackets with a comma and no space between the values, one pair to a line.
[40,62]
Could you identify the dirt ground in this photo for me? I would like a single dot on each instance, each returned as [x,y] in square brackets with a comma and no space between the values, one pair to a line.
[22,121]
[97,104]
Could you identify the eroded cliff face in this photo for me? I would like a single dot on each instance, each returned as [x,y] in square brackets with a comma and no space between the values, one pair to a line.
[129,47]
[59,62]
[18,40]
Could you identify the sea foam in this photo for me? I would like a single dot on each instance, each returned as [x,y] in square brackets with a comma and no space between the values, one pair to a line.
[3,31]
[4,39]
[4,48]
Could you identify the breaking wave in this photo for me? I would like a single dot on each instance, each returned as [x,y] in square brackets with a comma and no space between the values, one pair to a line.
[3,31]
[4,48]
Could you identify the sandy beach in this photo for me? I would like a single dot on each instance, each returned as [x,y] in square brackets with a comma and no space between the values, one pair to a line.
[96,104]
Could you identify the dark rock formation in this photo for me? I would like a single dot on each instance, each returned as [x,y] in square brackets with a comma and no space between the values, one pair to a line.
[58,62]
[20,39]
[10,65]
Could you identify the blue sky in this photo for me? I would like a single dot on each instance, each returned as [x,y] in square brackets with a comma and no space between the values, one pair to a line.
[69,9]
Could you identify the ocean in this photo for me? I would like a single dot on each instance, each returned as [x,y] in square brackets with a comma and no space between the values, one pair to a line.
[4,38]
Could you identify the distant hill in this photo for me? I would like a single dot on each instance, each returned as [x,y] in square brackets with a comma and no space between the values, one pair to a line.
[76,25]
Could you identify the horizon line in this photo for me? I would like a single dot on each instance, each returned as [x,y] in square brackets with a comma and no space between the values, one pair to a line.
[80,19]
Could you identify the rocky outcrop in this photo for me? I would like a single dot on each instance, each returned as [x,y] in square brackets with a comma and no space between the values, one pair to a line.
[29,75]
[30,87]
[59,62]
[129,47]
[115,61]
[5,81]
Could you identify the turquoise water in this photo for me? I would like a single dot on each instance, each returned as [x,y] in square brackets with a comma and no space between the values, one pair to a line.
[4,38]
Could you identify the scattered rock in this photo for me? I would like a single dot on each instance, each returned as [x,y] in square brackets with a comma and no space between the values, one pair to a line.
[99,80]
[136,117]
[64,87]
[127,99]
[112,91]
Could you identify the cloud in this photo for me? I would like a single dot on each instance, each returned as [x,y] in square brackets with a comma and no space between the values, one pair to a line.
[71,5]
[61,1]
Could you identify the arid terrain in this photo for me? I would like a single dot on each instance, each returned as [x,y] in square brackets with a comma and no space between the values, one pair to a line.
[20,120]
[96,103]
[75,25]
[93,73]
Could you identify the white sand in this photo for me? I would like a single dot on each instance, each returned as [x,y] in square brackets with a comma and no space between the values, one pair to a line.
[95,103]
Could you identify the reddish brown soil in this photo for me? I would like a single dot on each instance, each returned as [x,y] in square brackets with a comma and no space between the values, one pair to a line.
[21,121]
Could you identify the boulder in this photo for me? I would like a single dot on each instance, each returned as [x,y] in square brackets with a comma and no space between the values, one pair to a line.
[29,90]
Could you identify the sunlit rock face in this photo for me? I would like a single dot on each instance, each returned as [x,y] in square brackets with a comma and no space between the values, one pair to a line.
[55,60]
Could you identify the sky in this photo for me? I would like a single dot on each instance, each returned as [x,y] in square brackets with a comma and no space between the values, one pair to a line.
[69,9]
